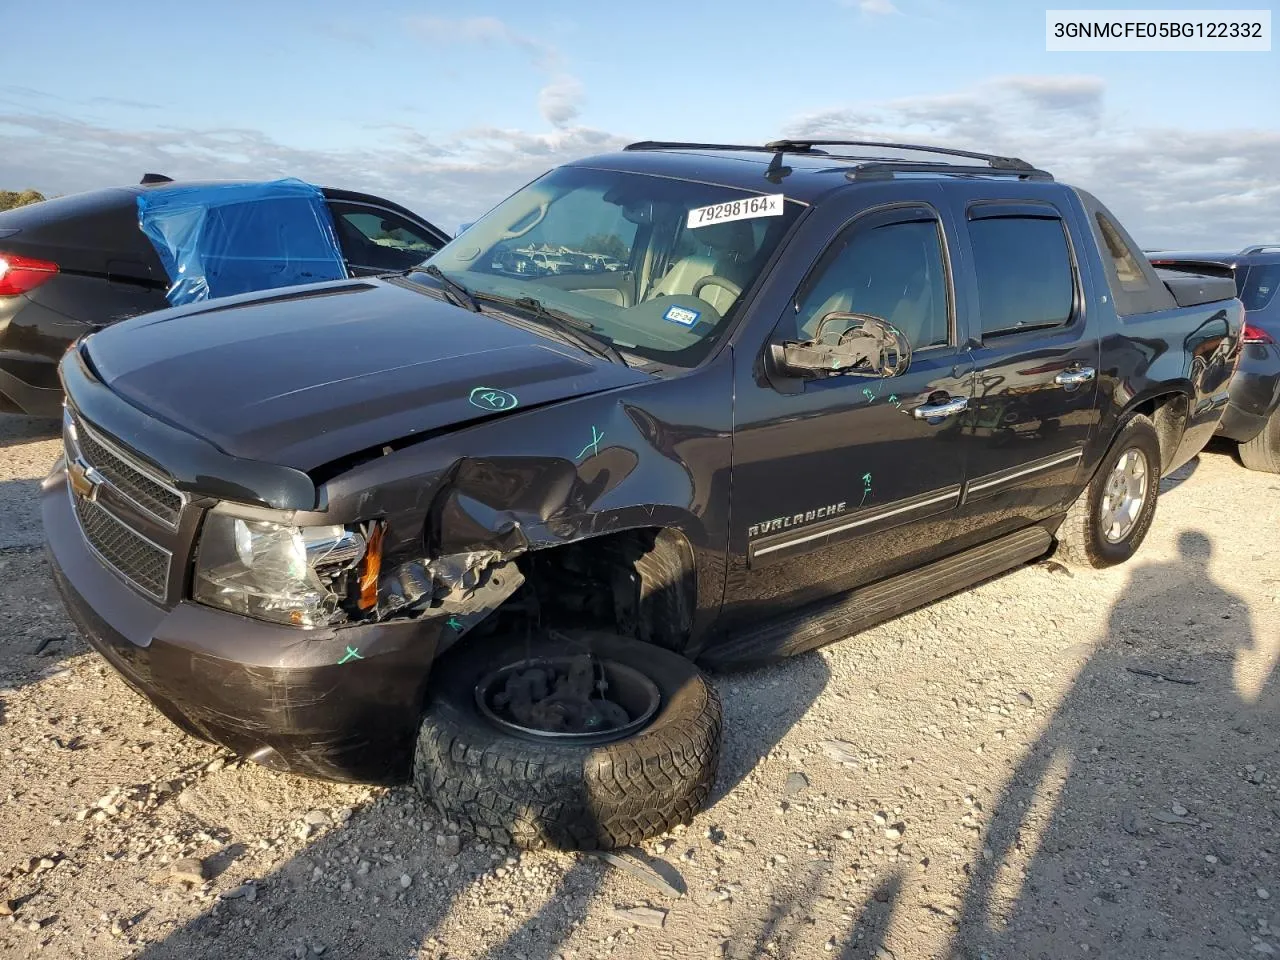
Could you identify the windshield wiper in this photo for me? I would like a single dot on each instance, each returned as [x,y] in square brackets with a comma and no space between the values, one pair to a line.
[459,294]
[579,331]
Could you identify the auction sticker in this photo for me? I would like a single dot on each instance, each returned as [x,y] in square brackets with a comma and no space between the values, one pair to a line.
[746,209]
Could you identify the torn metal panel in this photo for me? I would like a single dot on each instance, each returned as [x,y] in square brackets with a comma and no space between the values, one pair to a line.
[462,590]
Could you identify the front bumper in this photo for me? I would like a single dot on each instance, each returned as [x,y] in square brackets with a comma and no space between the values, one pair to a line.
[275,694]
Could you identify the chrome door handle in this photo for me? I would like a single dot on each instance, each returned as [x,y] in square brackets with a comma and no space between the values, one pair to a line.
[1075,377]
[935,411]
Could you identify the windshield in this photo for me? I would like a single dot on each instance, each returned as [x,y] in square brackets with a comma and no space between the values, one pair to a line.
[654,265]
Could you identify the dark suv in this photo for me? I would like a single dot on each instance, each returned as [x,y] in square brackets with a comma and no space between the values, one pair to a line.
[501,517]
[1252,419]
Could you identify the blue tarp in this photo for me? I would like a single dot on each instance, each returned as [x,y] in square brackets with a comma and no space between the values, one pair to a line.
[216,240]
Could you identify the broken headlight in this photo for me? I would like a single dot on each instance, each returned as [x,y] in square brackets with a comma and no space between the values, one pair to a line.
[296,575]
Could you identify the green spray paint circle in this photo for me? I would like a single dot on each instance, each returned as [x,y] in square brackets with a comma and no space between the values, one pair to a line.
[492,399]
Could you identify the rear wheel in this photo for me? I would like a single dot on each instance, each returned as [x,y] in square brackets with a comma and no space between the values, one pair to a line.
[1263,451]
[1111,517]
[485,765]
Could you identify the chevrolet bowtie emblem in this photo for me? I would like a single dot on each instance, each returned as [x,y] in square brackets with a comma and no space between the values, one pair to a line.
[84,479]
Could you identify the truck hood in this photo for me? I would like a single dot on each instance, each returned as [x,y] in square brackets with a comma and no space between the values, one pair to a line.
[307,376]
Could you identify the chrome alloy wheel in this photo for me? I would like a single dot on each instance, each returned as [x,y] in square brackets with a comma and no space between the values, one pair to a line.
[1124,495]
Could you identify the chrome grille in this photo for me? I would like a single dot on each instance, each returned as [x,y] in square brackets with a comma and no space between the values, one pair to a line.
[130,480]
[126,551]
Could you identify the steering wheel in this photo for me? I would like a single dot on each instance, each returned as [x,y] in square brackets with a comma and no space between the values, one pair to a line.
[714,281]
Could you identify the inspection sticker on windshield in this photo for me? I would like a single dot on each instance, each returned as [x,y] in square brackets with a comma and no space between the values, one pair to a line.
[748,209]
[682,315]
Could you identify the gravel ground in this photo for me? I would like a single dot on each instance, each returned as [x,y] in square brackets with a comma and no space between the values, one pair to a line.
[1052,765]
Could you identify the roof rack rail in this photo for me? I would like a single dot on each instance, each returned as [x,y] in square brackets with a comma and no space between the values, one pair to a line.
[885,169]
[679,145]
[877,168]
[1259,248]
[994,161]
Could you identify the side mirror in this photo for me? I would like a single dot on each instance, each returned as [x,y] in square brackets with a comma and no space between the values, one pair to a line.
[846,344]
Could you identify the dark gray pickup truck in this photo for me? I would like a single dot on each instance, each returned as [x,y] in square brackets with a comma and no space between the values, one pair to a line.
[476,524]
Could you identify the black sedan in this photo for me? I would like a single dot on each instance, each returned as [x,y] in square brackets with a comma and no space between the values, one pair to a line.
[1252,419]
[75,264]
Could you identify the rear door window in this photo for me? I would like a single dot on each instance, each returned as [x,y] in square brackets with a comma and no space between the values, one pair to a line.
[1024,273]
[1135,288]
[1124,262]
[1258,285]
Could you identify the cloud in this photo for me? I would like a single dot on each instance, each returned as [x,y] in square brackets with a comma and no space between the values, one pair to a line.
[448,179]
[1172,187]
[874,8]
[446,30]
[560,100]
[22,96]
[561,96]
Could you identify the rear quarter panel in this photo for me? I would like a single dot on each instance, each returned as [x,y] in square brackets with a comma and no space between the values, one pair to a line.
[1189,352]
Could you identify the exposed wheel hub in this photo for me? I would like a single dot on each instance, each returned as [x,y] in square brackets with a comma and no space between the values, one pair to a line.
[581,699]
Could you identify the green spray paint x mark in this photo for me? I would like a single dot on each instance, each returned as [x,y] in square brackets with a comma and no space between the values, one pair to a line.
[453,623]
[352,654]
[594,445]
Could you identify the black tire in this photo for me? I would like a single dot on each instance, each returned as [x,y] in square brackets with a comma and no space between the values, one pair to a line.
[1263,451]
[1081,541]
[657,568]
[535,793]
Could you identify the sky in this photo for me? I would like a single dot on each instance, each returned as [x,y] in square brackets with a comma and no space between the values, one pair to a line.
[448,107]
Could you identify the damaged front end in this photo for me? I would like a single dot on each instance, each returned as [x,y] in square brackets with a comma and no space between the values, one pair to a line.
[253,564]
[464,589]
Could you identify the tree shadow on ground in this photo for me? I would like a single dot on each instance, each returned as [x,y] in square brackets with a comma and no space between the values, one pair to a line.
[782,927]
[1133,827]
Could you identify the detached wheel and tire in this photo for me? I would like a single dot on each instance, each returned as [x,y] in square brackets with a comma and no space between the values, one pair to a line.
[1263,451]
[1110,519]
[518,786]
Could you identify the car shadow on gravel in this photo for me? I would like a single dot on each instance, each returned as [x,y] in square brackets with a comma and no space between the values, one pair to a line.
[1137,825]
[1180,476]
[790,687]
[35,635]
[370,914]
[15,428]
[20,525]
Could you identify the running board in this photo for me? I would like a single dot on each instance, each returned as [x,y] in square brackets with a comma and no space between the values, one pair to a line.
[867,606]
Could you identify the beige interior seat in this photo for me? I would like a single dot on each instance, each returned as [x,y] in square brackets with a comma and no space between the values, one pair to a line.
[734,245]
[910,313]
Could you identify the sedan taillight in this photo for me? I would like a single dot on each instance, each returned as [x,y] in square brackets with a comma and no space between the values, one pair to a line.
[1253,334]
[23,274]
